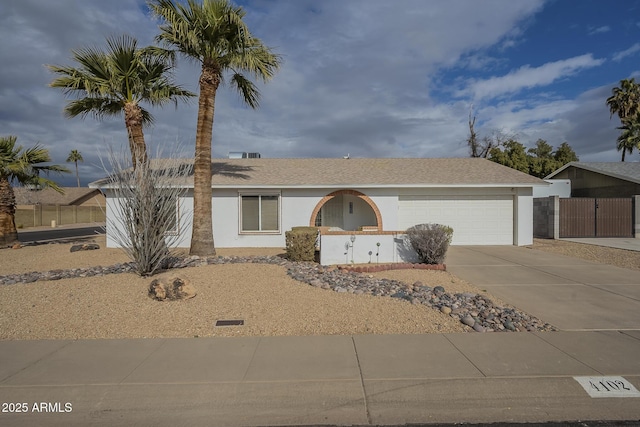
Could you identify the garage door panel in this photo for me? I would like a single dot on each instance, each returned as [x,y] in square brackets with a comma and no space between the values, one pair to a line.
[475,220]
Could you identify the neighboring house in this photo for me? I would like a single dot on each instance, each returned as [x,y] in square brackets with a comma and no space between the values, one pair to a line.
[73,196]
[38,207]
[256,200]
[600,179]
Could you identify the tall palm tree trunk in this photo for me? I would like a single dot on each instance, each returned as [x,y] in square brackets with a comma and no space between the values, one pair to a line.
[133,120]
[8,231]
[202,232]
[77,174]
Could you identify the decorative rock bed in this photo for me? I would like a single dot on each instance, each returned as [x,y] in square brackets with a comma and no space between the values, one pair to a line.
[473,310]
[374,268]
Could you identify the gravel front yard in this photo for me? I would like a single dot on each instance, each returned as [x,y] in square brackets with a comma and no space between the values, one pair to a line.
[264,296]
[269,301]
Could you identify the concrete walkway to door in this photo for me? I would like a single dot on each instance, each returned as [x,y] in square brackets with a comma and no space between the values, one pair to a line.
[570,293]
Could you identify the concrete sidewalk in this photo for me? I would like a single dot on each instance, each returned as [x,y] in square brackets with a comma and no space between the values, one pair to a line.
[345,380]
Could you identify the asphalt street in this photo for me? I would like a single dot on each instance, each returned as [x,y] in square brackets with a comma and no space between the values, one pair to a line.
[43,235]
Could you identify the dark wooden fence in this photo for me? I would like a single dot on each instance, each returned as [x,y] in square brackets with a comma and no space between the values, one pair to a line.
[588,217]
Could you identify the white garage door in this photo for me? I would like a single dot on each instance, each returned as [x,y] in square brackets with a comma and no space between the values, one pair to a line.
[475,220]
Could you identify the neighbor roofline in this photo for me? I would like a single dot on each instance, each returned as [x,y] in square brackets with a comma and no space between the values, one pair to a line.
[586,166]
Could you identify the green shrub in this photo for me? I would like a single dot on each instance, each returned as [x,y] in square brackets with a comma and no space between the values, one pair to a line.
[430,241]
[301,243]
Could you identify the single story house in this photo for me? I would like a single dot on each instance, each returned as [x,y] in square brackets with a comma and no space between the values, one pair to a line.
[601,179]
[256,200]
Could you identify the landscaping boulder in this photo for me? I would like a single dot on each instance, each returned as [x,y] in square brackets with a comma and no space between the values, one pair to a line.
[174,289]
[84,247]
[156,290]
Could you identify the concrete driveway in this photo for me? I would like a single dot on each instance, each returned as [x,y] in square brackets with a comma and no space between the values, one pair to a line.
[570,293]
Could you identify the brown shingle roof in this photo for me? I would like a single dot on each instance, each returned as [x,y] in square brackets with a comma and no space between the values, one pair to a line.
[366,172]
[356,172]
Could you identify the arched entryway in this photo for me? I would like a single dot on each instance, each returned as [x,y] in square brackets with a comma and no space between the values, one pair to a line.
[349,210]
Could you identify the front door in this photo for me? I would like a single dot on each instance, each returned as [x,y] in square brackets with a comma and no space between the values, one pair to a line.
[332,213]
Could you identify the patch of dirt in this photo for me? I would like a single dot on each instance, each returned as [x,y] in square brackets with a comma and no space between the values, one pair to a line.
[600,254]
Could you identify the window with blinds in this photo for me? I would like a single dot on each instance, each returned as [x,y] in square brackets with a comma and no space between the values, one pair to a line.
[260,213]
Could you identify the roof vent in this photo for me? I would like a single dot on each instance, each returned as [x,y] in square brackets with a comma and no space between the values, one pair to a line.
[243,155]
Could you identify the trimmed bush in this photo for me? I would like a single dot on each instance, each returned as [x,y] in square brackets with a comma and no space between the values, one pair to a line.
[301,243]
[430,241]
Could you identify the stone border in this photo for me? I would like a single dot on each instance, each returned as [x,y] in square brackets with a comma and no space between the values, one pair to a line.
[395,266]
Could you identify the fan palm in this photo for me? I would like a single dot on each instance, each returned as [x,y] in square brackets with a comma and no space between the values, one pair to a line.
[625,102]
[24,166]
[108,83]
[213,34]
[75,157]
[629,138]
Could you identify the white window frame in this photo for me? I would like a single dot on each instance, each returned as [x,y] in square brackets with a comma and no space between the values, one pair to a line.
[176,230]
[259,194]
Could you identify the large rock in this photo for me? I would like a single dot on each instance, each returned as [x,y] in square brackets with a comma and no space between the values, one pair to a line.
[468,320]
[156,290]
[182,288]
[174,289]
[84,247]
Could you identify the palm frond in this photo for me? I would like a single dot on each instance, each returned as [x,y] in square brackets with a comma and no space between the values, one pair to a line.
[213,32]
[26,165]
[248,90]
[97,107]
[75,156]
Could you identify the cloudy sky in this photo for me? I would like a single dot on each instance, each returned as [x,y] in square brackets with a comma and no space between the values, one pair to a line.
[370,78]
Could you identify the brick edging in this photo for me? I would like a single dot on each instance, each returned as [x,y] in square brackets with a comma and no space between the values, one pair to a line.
[394,266]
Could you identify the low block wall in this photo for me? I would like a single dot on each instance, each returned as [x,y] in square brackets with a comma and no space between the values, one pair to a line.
[366,247]
[546,217]
[38,215]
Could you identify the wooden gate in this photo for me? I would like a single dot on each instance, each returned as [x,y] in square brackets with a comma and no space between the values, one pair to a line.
[587,217]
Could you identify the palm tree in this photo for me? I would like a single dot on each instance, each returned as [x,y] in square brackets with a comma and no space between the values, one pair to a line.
[75,156]
[625,102]
[213,34]
[108,83]
[629,138]
[24,166]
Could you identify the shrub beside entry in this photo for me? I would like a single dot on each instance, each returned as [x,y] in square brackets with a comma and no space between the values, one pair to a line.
[430,241]
[301,243]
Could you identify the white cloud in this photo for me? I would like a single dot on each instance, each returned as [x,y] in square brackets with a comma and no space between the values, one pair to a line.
[618,56]
[357,77]
[527,77]
[599,30]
